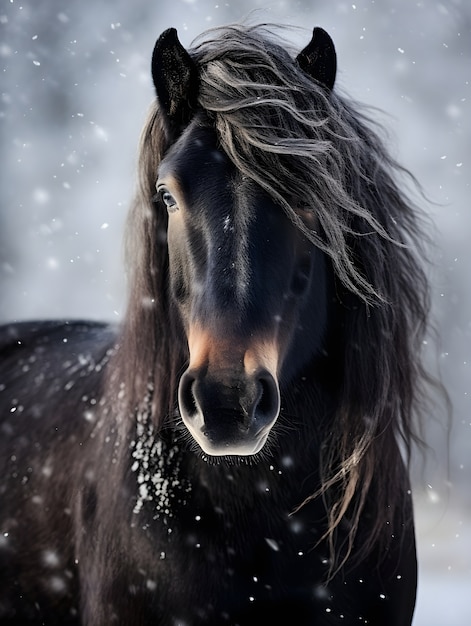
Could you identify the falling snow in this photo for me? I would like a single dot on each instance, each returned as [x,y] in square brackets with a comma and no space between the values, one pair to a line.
[67,179]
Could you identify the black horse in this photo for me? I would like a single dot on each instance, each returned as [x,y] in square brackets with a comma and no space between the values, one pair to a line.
[235,453]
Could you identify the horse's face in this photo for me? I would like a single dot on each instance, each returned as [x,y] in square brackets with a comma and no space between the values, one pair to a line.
[249,289]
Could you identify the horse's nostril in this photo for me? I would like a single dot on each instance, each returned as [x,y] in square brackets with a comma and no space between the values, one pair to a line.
[267,404]
[186,395]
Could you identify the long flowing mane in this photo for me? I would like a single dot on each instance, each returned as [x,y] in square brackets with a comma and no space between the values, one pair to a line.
[312,151]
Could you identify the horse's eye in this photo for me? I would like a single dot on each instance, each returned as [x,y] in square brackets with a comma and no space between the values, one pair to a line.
[168,200]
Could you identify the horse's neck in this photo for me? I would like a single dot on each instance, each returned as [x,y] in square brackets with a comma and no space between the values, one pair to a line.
[278,479]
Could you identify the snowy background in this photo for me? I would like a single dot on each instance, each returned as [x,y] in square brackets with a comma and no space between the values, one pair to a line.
[75,88]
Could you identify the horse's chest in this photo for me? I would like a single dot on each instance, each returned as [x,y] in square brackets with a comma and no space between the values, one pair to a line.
[234,574]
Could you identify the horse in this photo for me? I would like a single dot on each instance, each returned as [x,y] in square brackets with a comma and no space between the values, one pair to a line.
[236,450]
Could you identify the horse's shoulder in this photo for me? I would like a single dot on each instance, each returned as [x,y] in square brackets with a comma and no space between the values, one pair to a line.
[15,336]
[38,358]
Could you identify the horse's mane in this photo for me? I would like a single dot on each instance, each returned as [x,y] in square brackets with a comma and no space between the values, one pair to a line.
[316,151]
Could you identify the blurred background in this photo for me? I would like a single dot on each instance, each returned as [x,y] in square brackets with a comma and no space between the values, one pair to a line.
[75,87]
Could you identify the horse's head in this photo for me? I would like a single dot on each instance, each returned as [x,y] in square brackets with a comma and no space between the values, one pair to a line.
[247,284]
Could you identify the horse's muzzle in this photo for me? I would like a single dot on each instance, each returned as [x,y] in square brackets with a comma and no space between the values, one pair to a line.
[231,413]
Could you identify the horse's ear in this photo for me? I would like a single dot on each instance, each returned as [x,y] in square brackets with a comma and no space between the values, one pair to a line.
[318,59]
[175,77]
